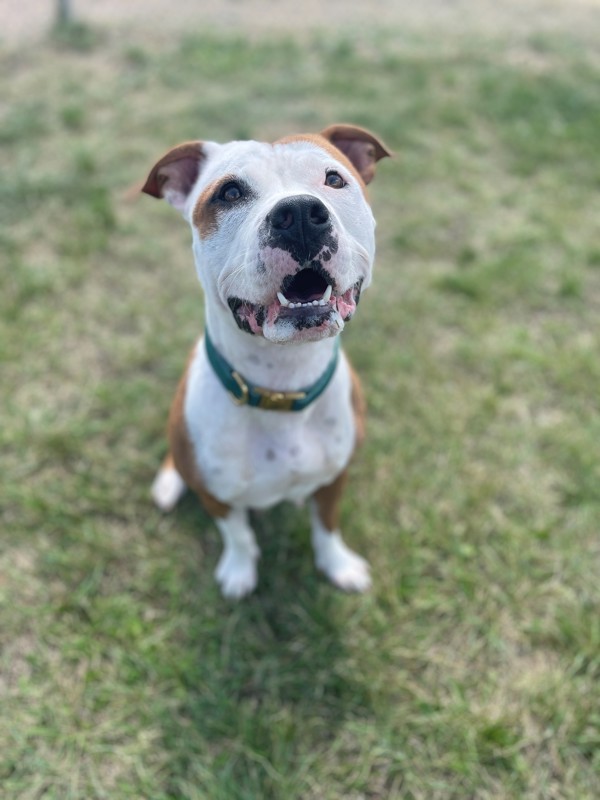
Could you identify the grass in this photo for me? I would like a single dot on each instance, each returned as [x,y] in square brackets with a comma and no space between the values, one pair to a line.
[471,670]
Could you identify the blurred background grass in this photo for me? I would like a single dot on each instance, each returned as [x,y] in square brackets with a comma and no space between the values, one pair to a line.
[471,670]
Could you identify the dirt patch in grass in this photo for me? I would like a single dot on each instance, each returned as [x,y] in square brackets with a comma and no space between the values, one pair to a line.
[26,19]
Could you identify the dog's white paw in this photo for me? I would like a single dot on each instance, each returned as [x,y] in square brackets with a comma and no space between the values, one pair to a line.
[344,568]
[236,573]
[167,488]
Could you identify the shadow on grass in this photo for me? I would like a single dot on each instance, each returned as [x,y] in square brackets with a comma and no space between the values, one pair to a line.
[264,684]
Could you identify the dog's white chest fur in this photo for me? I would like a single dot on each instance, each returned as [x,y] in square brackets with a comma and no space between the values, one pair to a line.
[266,457]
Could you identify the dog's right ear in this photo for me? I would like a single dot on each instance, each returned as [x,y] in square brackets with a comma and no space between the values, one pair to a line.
[175,174]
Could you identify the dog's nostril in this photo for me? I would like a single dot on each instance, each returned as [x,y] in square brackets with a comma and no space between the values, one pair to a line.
[282,218]
[318,214]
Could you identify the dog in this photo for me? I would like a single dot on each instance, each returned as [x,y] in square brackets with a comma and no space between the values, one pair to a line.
[269,408]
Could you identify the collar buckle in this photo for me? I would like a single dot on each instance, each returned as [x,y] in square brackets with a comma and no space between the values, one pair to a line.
[245,396]
[277,401]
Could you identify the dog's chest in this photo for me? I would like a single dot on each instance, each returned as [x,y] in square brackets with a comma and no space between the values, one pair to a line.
[255,458]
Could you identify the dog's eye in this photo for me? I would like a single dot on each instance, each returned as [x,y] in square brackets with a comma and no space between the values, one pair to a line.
[334,180]
[230,192]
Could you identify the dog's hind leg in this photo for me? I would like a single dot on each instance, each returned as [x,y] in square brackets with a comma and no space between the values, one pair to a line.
[168,486]
[344,568]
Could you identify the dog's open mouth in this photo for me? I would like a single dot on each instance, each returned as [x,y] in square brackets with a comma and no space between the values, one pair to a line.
[306,300]
[308,290]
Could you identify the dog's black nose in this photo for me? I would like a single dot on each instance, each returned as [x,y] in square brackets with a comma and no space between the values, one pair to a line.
[299,224]
[300,214]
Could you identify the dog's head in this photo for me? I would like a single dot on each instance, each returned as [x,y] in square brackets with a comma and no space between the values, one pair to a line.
[283,233]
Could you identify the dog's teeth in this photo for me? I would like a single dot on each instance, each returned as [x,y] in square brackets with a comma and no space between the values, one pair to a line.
[289,304]
[308,304]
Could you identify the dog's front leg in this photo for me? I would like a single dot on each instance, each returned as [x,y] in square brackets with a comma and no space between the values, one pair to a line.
[236,571]
[343,567]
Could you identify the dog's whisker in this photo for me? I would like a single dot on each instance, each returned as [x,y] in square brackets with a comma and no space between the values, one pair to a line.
[234,274]
[361,252]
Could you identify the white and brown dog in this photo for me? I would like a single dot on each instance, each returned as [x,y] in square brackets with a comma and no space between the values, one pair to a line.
[269,408]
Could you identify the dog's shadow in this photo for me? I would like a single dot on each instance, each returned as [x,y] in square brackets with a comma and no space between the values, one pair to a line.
[268,678]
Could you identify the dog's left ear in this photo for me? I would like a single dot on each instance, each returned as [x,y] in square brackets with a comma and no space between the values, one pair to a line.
[362,148]
[175,174]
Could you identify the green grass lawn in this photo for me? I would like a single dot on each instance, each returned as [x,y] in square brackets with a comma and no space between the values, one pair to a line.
[472,668]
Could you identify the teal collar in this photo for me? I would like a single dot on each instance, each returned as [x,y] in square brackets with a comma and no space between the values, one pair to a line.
[245,393]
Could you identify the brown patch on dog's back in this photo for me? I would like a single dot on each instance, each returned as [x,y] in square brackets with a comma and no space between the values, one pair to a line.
[359,406]
[328,498]
[182,450]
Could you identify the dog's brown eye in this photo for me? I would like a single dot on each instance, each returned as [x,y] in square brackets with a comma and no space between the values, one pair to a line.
[230,192]
[334,180]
